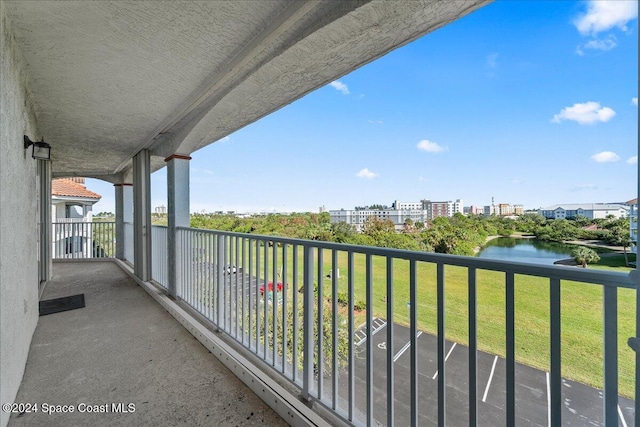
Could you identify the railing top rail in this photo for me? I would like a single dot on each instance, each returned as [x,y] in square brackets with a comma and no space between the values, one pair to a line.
[82,222]
[604,278]
[159,226]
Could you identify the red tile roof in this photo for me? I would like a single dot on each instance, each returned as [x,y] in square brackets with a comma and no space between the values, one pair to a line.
[67,188]
[633,201]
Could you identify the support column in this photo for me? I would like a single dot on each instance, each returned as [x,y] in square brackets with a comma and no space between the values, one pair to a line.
[142,215]
[178,214]
[124,213]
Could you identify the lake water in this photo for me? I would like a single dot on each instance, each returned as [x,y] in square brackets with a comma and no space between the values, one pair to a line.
[525,250]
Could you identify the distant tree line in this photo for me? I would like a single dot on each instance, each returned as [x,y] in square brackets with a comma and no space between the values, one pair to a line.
[459,234]
[372,208]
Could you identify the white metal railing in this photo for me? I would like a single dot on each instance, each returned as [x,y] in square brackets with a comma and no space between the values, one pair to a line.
[81,219]
[292,303]
[83,240]
[128,242]
[159,257]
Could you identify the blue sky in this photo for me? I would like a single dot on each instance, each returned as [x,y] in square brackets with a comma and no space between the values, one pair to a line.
[533,103]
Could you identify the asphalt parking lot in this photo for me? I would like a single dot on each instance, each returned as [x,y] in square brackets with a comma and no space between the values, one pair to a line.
[582,405]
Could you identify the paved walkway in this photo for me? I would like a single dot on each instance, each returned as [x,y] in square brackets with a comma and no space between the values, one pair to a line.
[124,348]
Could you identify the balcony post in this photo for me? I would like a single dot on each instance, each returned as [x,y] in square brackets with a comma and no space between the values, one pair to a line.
[142,215]
[307,319]
[124,213]
[177,214]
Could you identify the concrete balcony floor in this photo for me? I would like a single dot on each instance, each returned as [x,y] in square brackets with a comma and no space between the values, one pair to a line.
[123,347]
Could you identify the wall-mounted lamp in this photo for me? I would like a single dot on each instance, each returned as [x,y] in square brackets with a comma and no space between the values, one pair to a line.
[41,150]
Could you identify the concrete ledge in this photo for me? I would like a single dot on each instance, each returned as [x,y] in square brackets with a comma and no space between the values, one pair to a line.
[292,410]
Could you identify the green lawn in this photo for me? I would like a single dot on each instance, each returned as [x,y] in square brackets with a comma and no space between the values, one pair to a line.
[582,311]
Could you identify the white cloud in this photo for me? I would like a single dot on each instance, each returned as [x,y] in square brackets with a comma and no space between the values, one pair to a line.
[339,86]
[430,147]
[605,15]
[376,122]
[632,160]
[606,157]
[585,113]
[366,173]
[604,44]
[634,101]
[492,60]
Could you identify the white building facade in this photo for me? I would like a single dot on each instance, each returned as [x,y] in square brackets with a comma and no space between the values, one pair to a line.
[587,210]
[399,213]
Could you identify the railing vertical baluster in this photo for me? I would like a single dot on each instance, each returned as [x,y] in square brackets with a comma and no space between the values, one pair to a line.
[369,341]
[206,303]
[555,382]
[258,298]
[204,294]
[226,288]
[198,287]
[390,330]
[244,287]
[187,272]
[334,328]
[182,262]
[473,348]
[307,370]
[266,300]
[285,307]
[413,332]
[510,341]
[320,366]
[610,392]
[187,275]
[192,272]
[350,320]
[74,249]
[442,342]
[249,291]
[236,265]
[274,303]
[295,311]
[201,265]
[220,249]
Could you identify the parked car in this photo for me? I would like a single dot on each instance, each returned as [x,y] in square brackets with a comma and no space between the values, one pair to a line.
[279,287]
[231,269]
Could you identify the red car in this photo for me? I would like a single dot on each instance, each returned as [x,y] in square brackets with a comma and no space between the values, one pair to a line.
[270,287]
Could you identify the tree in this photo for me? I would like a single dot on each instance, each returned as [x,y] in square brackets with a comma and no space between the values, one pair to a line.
[620,237]
[342,232]
[582,255]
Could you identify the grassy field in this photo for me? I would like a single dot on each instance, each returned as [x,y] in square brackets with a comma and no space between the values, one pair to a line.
[581,311]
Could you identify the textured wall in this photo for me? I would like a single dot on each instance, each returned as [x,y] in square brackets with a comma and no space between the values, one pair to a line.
[18,218]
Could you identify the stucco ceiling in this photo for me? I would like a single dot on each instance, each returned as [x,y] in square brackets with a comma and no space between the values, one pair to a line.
[110,78]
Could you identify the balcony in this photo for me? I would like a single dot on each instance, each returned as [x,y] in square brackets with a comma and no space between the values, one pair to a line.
[322,333]
[433,364]
[124,348]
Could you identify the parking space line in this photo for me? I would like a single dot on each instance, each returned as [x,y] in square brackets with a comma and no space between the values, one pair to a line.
[445,359]
[548,401]
[624,423]
[406,346]
[379,325]
[493,369]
